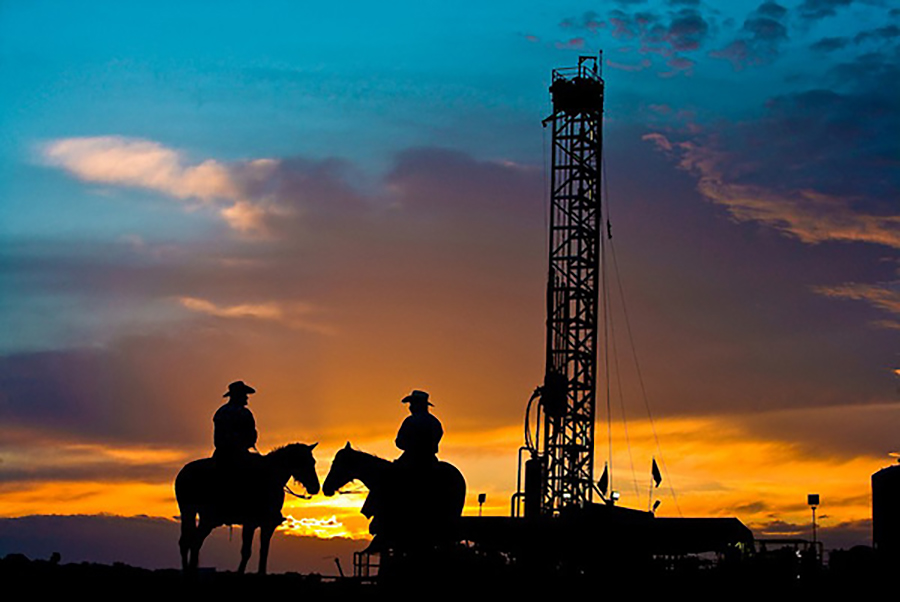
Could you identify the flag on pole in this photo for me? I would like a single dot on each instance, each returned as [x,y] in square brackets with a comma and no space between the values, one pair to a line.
[657,477]
[603,483]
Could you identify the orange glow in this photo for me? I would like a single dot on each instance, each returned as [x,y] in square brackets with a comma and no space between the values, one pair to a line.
[92,497]
[717,467]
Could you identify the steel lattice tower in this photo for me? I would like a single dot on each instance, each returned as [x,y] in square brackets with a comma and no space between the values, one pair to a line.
[568,396]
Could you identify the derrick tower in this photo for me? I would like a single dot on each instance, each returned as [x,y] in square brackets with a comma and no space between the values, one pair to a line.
[563,457]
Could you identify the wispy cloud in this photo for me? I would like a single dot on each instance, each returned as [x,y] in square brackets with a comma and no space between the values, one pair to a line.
[811,216]
[146,164]
[885,295]
[294,315]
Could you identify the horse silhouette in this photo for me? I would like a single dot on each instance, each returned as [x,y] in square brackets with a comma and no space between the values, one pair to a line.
[250,494]
[410,507]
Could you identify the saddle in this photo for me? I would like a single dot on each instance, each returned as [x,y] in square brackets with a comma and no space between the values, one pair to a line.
[403,508]
[238,477]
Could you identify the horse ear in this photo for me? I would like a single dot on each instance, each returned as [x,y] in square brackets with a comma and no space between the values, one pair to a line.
[313,446]
[347,446]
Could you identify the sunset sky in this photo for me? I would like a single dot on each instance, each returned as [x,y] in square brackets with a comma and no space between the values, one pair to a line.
[341,202]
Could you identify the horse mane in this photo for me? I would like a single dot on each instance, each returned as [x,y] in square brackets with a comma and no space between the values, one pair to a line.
[365,453]
[286,446]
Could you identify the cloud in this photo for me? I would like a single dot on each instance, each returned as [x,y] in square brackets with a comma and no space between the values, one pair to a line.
[885,296]
[765,29]
[146,542]
[140,163]
[830,44]
[420,257]
[760,38]
[772,10]
[590,21]
[264,311]
[678,65]
[137,163]
[642,65]
[574,43]
[808,215]
[819,9]
[681,30]
[43,459]
[819,164]
[293,315]
[886,33]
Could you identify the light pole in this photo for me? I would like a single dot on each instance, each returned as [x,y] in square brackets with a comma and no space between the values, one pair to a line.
[813,500]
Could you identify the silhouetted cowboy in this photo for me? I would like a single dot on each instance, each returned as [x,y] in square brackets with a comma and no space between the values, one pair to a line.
[396,507]
[420,433]
[234,429]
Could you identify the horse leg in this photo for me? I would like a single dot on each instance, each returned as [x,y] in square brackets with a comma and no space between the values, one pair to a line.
[246,546]
[188,533]
[202,532]
[265,537]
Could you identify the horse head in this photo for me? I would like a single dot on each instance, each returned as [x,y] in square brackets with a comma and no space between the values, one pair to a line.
[302,466]
[340,473]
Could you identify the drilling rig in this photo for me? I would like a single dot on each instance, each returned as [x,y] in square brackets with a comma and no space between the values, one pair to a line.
[554,516]
[560,470]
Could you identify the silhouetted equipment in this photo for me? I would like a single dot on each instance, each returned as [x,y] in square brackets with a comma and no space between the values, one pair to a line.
[250,494]
[886,512]
[563,471]
[812,500]
[554,521]
[555,529]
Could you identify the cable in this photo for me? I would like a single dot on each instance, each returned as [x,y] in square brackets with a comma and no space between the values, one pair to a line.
[637,364]
[622,406]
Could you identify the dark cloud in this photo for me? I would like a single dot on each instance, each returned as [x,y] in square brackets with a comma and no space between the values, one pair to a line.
[111,471]
[678,65]
[148,543]
[141,390]
[779,528]
[863,431]
[590,21]
[843,535]
[764,29]
[830,44]
[573,43]
[751,507]
[772,10]
[682,30]
[760,40]
[819,9]
[836,141]
[819,166]
[887,33]
[688,30]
